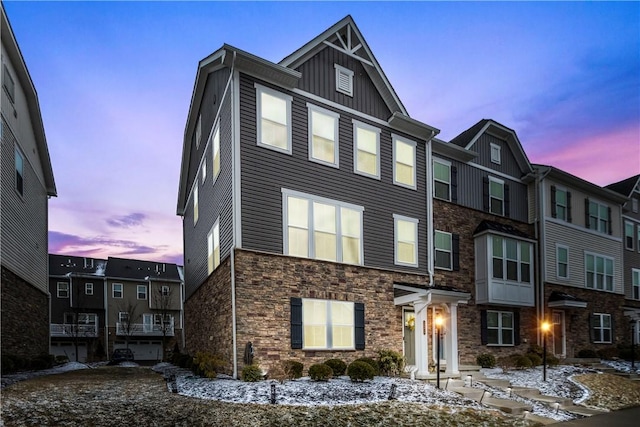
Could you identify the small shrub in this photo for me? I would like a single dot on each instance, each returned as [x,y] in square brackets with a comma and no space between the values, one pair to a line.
[535,348]
[507,362]
[624,352]
[390,362]
[208,365]
[608,353]
[337,366]
[277,373]
[552,360]
[523,362]
[360,371]
[43,361]
[486,360]
[320,372]
[61,359]
[251,373]
[186,361]
[535,359]
[371,362]
[293,369]
[587,353]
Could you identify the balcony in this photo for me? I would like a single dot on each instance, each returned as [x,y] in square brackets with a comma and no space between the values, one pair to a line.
[71,331]
[143,329]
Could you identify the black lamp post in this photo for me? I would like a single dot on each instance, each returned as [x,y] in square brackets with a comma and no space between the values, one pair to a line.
[438,332]
[633,344]
[545,328]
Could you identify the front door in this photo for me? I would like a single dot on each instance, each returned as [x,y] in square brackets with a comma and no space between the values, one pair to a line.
[558,333]
[409,321]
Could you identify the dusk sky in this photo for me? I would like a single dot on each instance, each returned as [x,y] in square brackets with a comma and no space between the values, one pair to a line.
[114,81]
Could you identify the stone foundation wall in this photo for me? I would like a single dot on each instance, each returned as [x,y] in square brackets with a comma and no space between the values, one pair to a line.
[25,317]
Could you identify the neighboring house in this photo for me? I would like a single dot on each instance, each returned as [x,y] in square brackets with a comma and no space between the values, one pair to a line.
[581,253]
[144,307]
[630,188]
[77,288]
[26,184]
[483,242]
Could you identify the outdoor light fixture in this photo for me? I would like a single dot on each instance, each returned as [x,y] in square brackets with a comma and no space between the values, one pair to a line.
[509,390]
[545,329]
[470,378]
[438,332]
[632,323]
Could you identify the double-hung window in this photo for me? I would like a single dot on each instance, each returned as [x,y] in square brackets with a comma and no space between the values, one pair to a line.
[198,134]
[496,154]
[442,179]
[500,328]
[404,162]
[123,317]
[496,196]
[560,203]
[562,262]
[195,202]
[116,289]
[511,259]
[320,228]
[323,135]
[142,291]
[213,248]
[19,164]
[601,327]
[215,137]
[444,250]
[599,272]
[8,84]
[634,205]
[63,290]
[406,240]
[273,119]
[88,288]
[165,291]
[203,170]
[366,149]
[598,217]
[628,235]
[635,282]
[328,324]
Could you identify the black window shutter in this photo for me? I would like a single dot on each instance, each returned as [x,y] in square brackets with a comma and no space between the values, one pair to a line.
[485,194]
[359,325]
[296,322]
[507,210]
[484,339]
[592,327]
[569,219]
[586,212]
[612,326]
[516,328]
[455,243]
[609,220]
[454,184]
[554,213]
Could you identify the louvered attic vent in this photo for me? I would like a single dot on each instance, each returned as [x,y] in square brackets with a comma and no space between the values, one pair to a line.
[344,80]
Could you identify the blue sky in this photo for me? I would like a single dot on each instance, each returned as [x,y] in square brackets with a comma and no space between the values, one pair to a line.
[114,81]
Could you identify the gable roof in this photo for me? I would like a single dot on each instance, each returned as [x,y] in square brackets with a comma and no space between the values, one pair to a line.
[626,186]
[468,138]
[487,225]
[61,265]
[134,269]
[347,38]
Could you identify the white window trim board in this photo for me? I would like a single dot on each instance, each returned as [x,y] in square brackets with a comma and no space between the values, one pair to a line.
[558,245]
[336,138]
[288,99]
[394,139]
[358,124]
[498,149]
[449,165]
[397,218]
[450,252]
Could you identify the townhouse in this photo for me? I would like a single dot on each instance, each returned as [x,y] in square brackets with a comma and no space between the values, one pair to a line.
[26,183]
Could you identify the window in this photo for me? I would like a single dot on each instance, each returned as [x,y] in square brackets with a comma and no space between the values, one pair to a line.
[123,317]
[406,240]
[511,259]
[598,216]
[442,179]
[216,152]
[198,134]
[635,283]
[87,318]
[323,135]
[628,235]
[274,119]
[158,320]
[195,204]
[88,288]
[599,271]
[366,150]
[88,263]
[634,205]
[344,80]
[19,171]
[404,162]
[601,327]
[328,324]
[213,247]
[63,290]
[495,153]
[8,84]
[560,203]
[204,170]
[116,289]
[165,291]
[444,250]
[500,328]
[496,196]
[562,262]
[142,292]
[320,228]
[638,239]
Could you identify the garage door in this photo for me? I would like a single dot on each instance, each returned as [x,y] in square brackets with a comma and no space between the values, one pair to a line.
[143,350]
[69,349]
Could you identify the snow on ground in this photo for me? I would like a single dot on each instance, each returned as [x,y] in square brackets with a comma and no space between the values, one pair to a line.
[21,376]
[623,365]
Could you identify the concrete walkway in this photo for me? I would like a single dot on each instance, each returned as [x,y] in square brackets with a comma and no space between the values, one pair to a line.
[621,418]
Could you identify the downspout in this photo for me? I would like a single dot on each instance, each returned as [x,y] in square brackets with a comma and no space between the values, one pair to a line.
[540,237]
[429,173]
[106,317]
[235,104]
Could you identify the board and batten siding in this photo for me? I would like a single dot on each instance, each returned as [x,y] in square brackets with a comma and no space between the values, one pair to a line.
[214,200]
[266,172]
[579,242]
[24,228]
[508,164]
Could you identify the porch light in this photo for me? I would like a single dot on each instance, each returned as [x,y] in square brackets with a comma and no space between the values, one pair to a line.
[438,322]
[545,326]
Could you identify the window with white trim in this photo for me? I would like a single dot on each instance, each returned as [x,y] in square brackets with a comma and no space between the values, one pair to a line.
[88,288]
[634,205]
[628,235]
[366,150]
[123,317]
[195,203]
[323,135]
[442,179]
[404,162]
[496,196]
[63,290]
[635,283]
[638,239]
[344,80]
[598,217]
[213,247]
[500,328]
[142,291]
[116,290]
[561,204]
[274,119]
[203,173]
[165,290]
[328,324]
[406,240]
[444,250]
[198,134]
[8,84]
[599,272]
[562,262]
[512,259]
[601,328]
[496,153]
[215,136]
[19,165]
[319,228]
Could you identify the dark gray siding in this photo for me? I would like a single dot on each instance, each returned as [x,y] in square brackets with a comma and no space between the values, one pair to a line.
[214,200]
[319,78]
[83,303]
[508,164]
[265,172]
